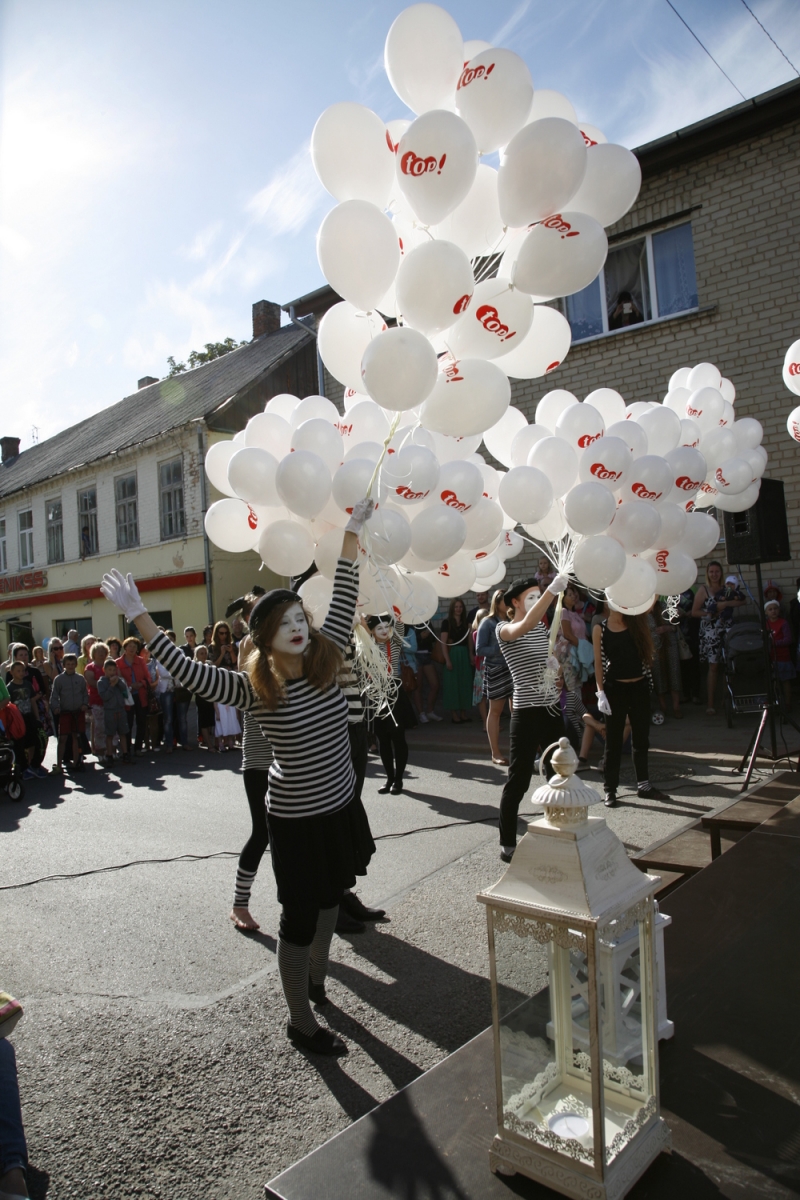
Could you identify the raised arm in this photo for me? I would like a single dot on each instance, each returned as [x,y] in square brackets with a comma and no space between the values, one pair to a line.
[338,625]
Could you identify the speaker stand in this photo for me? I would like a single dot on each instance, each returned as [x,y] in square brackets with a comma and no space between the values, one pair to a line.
[772,708]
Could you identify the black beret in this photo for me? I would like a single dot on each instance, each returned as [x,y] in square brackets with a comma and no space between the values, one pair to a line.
[517,587]
[265,604]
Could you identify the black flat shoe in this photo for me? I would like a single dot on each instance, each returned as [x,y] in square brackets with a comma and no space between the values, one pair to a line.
[652,793]
[506,858]
[346,924]
[384,791]
[316,992]
[396,789]
[323,1041]
[610,800]
[356,909]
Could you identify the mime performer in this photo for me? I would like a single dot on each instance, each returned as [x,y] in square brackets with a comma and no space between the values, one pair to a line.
[320,841]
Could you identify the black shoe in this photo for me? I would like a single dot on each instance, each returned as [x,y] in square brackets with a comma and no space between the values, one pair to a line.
[506,858]
[323,1041]
[396,788]
[610,800]
[358,910]
[346,924]
[387,787]
[316,992]
[652,793]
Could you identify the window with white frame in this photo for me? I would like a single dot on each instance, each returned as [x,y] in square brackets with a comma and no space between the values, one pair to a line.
[87,520]
[173,519]
[127,512]
[55,530]
[25,525]
[645,279]
[3,549]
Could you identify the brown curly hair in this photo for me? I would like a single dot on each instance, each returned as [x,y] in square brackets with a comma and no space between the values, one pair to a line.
[322,659]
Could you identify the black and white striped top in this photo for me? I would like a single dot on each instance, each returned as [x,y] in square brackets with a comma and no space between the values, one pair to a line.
[312,771]
[350,685]
[256,751]
[527,658]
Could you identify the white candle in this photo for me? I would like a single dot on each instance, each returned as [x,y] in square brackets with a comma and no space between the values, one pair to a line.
[569,1125]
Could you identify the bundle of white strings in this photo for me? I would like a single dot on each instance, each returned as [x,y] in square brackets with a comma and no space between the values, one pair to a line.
[374,670]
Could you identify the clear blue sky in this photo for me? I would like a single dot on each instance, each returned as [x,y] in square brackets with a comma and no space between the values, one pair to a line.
[154,174]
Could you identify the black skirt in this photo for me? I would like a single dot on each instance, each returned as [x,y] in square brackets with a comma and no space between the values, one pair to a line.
[315,858]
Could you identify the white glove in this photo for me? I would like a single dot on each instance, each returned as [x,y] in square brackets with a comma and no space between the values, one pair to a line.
[558,585]
[362,511]
[602,703]
[123,594]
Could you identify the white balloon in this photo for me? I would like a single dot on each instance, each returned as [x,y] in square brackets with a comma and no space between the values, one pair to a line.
[327,553]
[733,476]
[475,224]
[700,535]
[437,532]
[608,403]
[484,523]
[494,96]
[303,482]
[728,415]
[399,368]
[650,479]
[542,169]
[558,460]
[680,378]
[592,136]
[688,468]
[631,610]
[232,525]
[460,485]
[436,164]
[389,536]
[524,441]
[364,422]
[470,396]
[739,502]
[350,483]
[757,460]
[748,433]
[424,56]
[495,322]
[485,566]
[352,155]
[216,463]
[675,570]
[793,424]
[560,255]
[251,474]
[599,561]
[369,450]
[498,439]
[607,461]
[663,429]
[358,252]
[452,578]
[676,399]
[791,368]
[589,508]
[636,526]
[238,439]
[691,433]
[446,448]
[321,438]
[547,103]
[552,405]
[511,544]
[282,405]
[526,494]
[314,406]
[702,376]
[635,585]
[636,410]
[580,425]
[673,524]
[705,405]
[417,600]
[610,184]
[343,336]
[716,446]
[287,548]
[434,286]
[544,347]
[552,528]
[411,475]
[631,434]
[268,431]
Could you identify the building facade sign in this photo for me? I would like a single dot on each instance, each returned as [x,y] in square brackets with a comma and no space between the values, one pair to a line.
[27,582]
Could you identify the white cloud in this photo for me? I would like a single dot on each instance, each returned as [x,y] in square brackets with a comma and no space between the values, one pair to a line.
[203,241]
[508,27]
[291,197]
[14,243]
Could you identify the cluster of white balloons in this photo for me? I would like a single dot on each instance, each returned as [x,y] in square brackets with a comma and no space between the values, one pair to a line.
[791,377]
[420,218]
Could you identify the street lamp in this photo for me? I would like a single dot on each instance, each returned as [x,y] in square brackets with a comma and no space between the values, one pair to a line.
[575,1032]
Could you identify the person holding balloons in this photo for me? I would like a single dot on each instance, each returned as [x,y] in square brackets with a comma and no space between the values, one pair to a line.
[536,720]
[320,840]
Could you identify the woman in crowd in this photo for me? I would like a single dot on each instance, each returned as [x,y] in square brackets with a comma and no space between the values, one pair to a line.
[54,665]
[206,715]
[86,652]
[391,725]
[222,654]
[458,662]
[114,647]
[536,720]
[133,670]
[93,674]
[320,839]
[715,603]
[623,655]
[165,696]
[478,698]
[426,641]
[498,686]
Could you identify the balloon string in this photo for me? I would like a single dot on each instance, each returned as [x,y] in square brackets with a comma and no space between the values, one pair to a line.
[387,439]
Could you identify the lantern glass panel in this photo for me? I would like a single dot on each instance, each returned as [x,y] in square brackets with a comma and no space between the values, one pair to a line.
[545,1080]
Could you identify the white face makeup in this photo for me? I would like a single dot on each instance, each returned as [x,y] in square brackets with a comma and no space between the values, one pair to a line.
[291,636]
[530,598]
[382,632]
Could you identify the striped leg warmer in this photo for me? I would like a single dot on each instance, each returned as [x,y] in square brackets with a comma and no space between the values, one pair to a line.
[244,885]
[318,962]
[293,966]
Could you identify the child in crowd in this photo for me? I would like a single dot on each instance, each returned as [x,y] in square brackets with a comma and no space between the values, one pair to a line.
[69,700]
[780,638]
[22,690]
[205,709]
[115,696]
[545,574]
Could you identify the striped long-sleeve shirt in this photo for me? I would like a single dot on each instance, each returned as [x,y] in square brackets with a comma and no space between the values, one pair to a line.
[312,771]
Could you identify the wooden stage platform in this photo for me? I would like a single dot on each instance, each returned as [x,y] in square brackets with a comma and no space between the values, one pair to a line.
[730,1077]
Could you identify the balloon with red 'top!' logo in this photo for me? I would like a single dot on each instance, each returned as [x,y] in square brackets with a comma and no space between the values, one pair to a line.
[460,485]
[560,255]
[495,323]
[436,164]
[688,469]
[470,396]
[607,461]
[650,479]
[675,570]
[791,368]
[494,96]
[434,286]
[793,424]
[541,170]
[581,425]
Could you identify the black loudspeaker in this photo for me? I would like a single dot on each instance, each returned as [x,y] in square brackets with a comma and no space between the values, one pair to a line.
[761,533]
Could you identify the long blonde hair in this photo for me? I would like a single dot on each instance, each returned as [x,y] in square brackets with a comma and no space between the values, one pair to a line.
[497,608]
[322,660]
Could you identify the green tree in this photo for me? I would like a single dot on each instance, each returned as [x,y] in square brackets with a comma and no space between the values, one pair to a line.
[198,357]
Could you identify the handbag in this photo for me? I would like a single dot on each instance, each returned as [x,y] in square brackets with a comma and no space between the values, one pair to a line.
[684,653]
[408,678]
[437,652]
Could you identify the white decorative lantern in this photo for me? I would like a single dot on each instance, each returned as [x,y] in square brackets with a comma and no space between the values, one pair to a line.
[576,1035]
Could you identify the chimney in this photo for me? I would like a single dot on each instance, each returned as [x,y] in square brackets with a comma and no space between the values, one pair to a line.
[146,380]
[266,318]
[10,449]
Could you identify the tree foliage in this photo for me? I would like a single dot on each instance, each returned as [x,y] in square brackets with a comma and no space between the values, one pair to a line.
[198,357]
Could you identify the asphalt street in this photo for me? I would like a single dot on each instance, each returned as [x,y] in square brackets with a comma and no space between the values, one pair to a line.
[152,1054]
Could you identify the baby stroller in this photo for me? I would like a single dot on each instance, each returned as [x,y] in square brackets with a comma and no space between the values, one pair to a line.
[745,669]
[10,773]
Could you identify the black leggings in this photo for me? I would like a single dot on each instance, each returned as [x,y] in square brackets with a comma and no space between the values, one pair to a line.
[392,748]
[255,785]
[139,714]
[531,729]
[627,700]
[359,753]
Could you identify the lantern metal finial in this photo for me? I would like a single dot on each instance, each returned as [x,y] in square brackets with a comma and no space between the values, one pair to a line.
[566,799]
